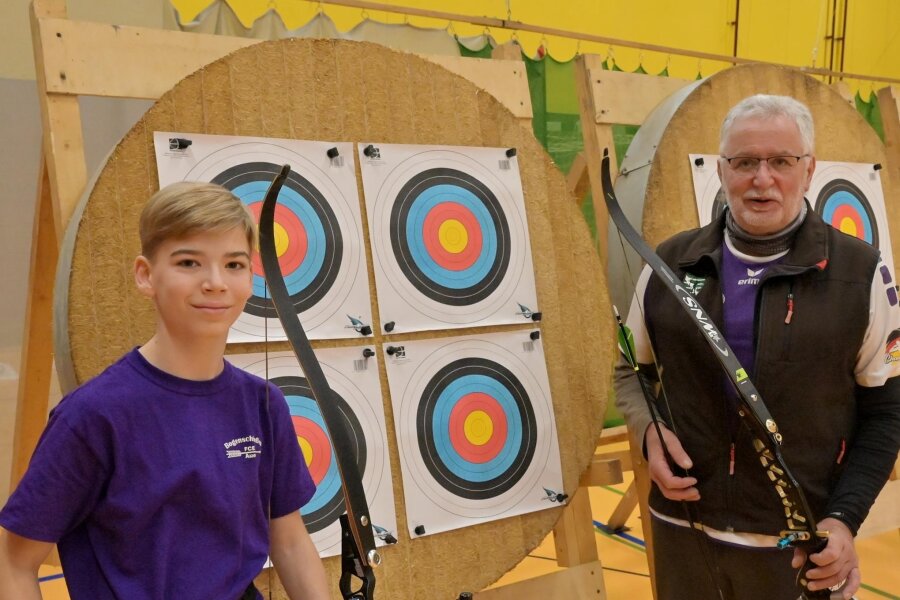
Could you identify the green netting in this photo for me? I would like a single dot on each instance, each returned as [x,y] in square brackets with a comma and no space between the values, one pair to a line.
[871,113]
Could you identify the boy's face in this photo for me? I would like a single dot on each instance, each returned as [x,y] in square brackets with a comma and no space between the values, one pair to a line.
[199,283]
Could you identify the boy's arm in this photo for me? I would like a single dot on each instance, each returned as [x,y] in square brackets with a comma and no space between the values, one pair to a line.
[20,559]
[296,559]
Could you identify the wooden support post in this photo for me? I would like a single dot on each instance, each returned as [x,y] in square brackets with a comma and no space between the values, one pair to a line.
[889,106]
[584,582]
[642,484]
[597,136]
[578,180]
[573,535]
[37,343]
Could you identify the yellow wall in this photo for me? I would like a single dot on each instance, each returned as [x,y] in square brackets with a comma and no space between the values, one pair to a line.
[791,32]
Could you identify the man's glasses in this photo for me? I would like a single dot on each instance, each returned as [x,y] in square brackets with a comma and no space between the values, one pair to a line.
[746,165]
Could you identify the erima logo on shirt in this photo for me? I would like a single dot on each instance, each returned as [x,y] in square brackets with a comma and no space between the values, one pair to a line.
[752,277]
[248,446]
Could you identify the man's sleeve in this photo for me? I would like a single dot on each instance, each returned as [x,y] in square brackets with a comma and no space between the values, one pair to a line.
[62,485]
[874,451]
[629,397]
[292,485]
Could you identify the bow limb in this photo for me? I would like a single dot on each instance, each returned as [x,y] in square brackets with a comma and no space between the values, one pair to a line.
[800,525]
[358,543]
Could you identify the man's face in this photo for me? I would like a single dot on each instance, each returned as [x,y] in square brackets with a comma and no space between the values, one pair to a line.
[765,201]
[199,283]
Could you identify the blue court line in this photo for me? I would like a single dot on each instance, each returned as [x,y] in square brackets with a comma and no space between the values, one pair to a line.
[605,528]
[50,577]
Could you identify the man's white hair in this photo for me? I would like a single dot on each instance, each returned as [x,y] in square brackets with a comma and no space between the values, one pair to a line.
[769,106]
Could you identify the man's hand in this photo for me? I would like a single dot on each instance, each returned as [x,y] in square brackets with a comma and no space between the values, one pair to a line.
[671,486]
[836,564]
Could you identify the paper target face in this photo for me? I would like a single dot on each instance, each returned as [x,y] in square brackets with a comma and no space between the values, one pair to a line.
[318,228]
[357,394]
[475,427]
[708,192]
[449,236]
[848,197]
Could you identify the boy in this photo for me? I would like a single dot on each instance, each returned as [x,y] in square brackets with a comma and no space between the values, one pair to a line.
[172,474]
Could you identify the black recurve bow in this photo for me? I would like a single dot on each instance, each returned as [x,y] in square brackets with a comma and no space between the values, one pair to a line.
[800,525]
[358,553]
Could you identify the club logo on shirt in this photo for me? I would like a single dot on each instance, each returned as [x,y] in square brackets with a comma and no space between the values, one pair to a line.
[248,446]
[752,277]
[694,283]
[892,348]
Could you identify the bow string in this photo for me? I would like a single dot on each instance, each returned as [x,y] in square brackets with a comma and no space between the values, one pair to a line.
[358,553]
[799,525]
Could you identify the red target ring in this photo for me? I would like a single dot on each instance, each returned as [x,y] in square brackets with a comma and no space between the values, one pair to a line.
[318,442]
[457,217]
[845,215]
[297,243]
[477,406]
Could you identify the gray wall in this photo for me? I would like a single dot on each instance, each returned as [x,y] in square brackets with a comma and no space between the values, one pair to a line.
[104,120]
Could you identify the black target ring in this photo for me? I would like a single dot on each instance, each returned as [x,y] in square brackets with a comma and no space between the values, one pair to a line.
[298,192]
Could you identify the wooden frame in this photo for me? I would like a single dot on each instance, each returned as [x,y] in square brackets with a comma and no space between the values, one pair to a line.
[82,58]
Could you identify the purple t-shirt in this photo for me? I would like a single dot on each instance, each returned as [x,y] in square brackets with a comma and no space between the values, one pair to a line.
[156,487]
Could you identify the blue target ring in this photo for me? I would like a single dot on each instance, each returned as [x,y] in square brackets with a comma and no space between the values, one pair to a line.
[327,504]
[456,474]
[416,199]
[843,206]
[315,275]
[451,458]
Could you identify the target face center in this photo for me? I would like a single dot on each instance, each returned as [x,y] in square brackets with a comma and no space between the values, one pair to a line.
[282,239]
[848,226]
[478,427]
[307,450]
[453,236]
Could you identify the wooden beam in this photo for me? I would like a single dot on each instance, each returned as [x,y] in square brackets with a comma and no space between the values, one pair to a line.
[37,342]
[596,138]
[605,469]
[584,582]
[578,180]
[624,508]
[889,106]
[627,98]
[78,58]
[573,536]
[97,59]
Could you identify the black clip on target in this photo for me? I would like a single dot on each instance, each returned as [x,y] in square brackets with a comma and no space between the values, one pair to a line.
[510,152]
[389,326]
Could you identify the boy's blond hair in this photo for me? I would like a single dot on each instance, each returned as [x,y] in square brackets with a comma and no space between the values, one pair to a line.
[189,207]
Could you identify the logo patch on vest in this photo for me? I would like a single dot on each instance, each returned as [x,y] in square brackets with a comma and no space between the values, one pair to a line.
[694,283]
[892,348]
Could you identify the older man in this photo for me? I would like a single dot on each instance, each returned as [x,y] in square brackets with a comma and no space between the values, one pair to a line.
[809,313]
